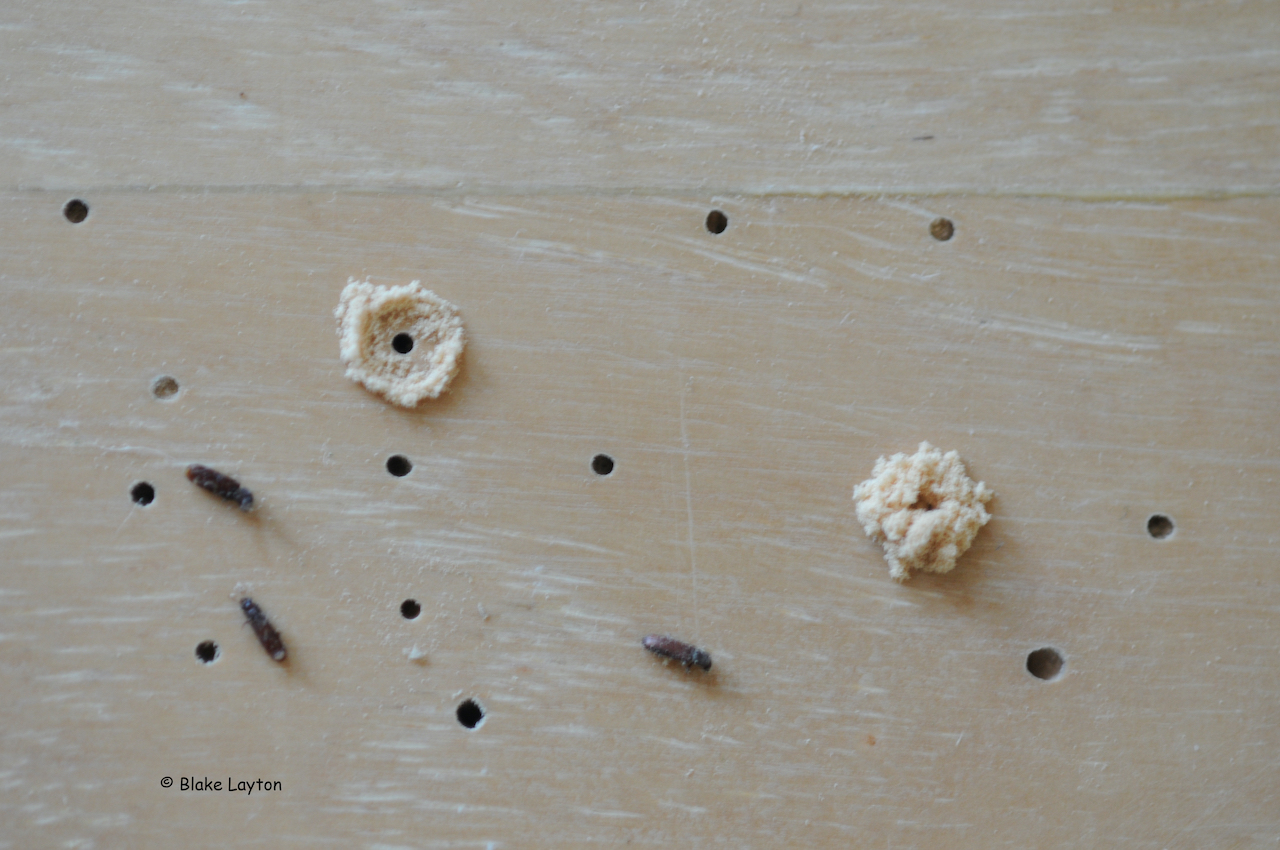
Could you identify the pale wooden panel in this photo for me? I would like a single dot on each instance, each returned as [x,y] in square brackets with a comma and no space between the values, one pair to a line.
[1093,363]
[1078,97]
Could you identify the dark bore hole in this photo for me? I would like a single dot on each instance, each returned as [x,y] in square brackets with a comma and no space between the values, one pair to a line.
[399,466]
[717,221]
[926,502]
[403,343]
[164,386]
[143,493]
[1045,664]
[942,229]
[76,211]
[1159,526]
[410,609]
[470,714]
[208,652]
[602,464]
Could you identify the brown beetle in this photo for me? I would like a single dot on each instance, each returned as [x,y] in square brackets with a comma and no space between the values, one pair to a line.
[267,634]
[669,647]
[220,485]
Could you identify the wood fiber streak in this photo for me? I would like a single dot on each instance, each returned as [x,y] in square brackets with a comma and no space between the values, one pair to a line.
[1077,97]
[1095,364]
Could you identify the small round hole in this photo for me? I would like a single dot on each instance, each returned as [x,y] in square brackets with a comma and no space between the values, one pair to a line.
[470,714]
[76,211]
[165,386]
[403,343]
[399,466]
[410,609]
[602,464]
[143,494]
[1160,526]
[1045,663]
[942,229]
[208,652]
[717,221]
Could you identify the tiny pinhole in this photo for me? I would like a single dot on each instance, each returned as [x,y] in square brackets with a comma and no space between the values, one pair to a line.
[410,609]
[1045,663]
[208,652]
[76,211]
[602,464]
[402,343]
[1160,526]
[470,714]
[164,387]
[142,494]
[717,221]
[942,229]
[399,466]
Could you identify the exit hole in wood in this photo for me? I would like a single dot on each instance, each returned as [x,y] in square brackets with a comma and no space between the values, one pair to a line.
[164,387]
[1046,664]
[470,714]
[76,211]
[1160,526]
[142,494]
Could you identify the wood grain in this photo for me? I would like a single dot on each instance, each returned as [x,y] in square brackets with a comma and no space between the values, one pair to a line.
[1076,98]
[1093,363]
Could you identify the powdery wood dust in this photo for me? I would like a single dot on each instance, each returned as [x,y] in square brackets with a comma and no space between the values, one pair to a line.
[370,317]
[924,509]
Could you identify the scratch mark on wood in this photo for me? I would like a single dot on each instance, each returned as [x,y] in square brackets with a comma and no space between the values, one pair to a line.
[688,500]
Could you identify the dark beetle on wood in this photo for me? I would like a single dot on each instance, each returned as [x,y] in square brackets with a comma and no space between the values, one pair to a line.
[220,485]
[669,647]
[267,634]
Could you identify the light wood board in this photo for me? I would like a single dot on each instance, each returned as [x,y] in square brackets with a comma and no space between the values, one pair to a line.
[1079,97]
[1095,362]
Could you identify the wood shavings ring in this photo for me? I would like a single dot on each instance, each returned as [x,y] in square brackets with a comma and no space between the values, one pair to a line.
[403,343]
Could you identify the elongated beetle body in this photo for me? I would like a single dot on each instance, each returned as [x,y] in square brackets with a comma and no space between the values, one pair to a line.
[220,485]
[267,634]
[669,647]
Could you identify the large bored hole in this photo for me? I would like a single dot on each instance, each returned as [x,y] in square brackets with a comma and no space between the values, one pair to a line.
[142,494]
[402,343]
[399,466]
[208,652]
[1160,526]
[165,386]
[470,714]
[76,211]
[602,465]
[717,221]
[410,609]
[1045,663]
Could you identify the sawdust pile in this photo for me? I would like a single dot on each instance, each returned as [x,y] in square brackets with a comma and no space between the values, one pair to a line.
[924,509]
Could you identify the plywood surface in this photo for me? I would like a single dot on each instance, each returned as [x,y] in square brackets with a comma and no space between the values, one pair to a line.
[1094,361]
[1079,97]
